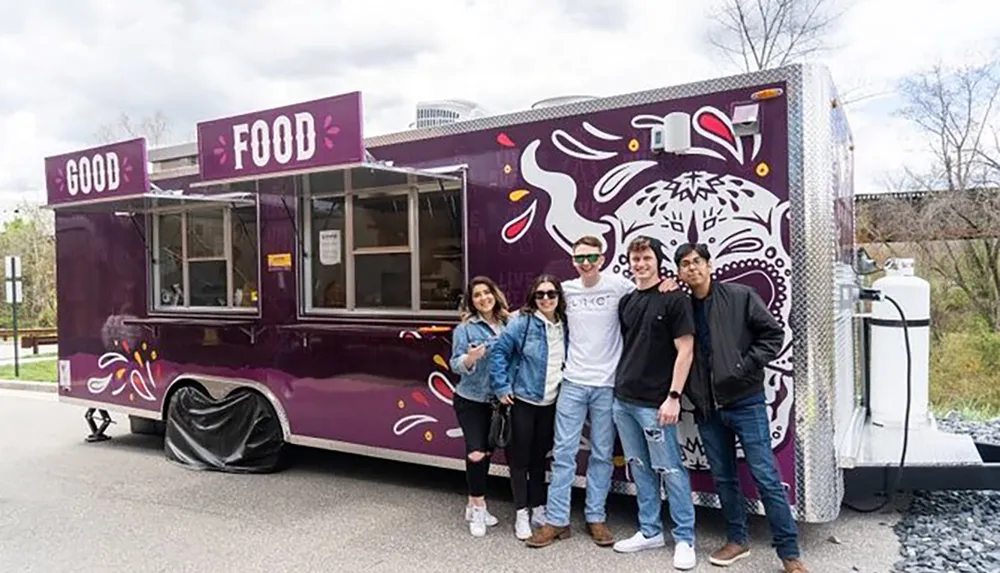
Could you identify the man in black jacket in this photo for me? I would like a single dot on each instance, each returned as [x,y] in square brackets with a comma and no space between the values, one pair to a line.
[735,338]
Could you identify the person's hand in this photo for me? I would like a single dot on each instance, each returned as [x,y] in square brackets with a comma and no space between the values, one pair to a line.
[508,399]
[669,412]
[476,351]
[668,284]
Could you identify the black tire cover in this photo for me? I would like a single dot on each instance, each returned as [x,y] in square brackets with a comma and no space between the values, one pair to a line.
[238,434]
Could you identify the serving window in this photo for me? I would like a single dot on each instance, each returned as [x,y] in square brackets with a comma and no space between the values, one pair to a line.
[205,257]
[382,242]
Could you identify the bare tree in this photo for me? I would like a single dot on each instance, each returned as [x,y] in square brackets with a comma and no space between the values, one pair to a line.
[954,225]
[762,34]
[957,111]
[154,128]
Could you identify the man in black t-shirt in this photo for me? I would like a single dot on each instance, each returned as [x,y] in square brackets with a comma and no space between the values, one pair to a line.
[657,350]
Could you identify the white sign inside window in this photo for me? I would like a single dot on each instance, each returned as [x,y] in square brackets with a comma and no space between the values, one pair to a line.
[329,247]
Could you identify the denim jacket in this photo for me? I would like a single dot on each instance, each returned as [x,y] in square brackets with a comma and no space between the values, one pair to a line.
[474,383]
[517,369]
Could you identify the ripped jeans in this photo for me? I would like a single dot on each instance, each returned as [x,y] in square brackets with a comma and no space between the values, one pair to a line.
[654,460]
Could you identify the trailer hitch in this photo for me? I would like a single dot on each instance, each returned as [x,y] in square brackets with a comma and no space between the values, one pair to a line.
[97,433]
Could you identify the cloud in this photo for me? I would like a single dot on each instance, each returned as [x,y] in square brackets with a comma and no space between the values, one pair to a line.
[72,66]
[598,14]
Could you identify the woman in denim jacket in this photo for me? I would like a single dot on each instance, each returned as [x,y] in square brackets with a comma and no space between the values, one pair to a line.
[526,366]
[484,315]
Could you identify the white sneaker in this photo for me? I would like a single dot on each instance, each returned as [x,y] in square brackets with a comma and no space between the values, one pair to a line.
[477,524]
[639,542]
[522,525]
[538,516]
[490,519]
[684,556]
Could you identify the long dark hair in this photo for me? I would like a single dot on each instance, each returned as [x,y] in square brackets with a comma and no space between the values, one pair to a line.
[500,308]
[531,306]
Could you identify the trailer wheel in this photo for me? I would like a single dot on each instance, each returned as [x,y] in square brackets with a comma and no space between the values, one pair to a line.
[240,433]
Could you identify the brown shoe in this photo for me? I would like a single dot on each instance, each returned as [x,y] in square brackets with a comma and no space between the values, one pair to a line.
[601,535]
[729,554]
[794,566]
[547,535]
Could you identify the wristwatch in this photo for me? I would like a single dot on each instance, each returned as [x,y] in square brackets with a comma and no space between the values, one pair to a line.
[675,395]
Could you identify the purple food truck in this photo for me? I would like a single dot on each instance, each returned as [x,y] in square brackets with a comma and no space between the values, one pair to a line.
[285,280]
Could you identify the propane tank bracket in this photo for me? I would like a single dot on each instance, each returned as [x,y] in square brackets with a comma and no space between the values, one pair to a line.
[870,294]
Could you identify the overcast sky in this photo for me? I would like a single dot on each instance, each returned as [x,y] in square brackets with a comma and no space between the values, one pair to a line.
[70,66]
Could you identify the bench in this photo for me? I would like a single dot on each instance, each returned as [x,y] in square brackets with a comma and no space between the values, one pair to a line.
[33,341]
[32,337]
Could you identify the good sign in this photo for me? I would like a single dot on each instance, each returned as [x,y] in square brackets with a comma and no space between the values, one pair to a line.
[276,141]
[99,172]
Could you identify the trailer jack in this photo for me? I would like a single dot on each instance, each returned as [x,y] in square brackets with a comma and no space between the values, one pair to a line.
[97,433]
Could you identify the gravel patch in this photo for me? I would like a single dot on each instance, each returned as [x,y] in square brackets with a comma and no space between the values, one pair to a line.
[984,432]
[953,531]
[950,531]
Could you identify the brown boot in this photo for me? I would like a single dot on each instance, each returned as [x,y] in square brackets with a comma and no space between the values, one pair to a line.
[729,554]
[794,566]
[547,535]
[601,535]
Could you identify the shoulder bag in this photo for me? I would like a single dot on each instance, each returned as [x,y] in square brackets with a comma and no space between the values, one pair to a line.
[500,419]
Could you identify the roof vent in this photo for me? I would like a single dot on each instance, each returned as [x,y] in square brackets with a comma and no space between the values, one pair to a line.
[561,100]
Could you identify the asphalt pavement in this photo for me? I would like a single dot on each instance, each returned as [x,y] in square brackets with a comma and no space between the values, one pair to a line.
[70,506]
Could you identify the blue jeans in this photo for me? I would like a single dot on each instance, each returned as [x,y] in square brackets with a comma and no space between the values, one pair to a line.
[654,458]
[748,420]
[574,403]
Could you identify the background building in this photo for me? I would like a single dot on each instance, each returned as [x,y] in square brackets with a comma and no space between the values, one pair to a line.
[441,112]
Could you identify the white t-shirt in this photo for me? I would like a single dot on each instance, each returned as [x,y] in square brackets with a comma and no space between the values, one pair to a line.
[595,335]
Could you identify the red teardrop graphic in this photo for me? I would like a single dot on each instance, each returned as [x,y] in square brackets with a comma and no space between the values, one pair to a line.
[516,227]
[713,124]
[441,385]
[503,140]
[419,397]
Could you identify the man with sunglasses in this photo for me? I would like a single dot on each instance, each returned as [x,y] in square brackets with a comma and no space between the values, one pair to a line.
[595,346]
[735,338]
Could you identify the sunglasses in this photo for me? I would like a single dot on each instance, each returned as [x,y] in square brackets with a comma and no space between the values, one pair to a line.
[540,294]
[592,258]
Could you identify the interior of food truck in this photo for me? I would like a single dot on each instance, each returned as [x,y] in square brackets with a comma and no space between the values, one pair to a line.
[205,256]
[372,239]
[381,239]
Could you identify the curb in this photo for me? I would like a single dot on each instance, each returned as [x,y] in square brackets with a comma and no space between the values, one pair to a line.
[29,386]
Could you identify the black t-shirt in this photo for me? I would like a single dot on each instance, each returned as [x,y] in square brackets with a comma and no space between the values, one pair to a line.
[650,321]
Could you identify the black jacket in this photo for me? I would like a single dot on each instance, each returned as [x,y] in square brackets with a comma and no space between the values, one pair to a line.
[744,336]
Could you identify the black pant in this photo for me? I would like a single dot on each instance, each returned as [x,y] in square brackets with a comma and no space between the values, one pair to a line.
[474,419]
[532,435]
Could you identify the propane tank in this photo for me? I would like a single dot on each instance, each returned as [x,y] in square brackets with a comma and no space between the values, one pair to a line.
[887,392]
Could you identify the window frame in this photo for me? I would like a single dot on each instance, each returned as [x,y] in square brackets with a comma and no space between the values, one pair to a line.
[154,307]
[308,309]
